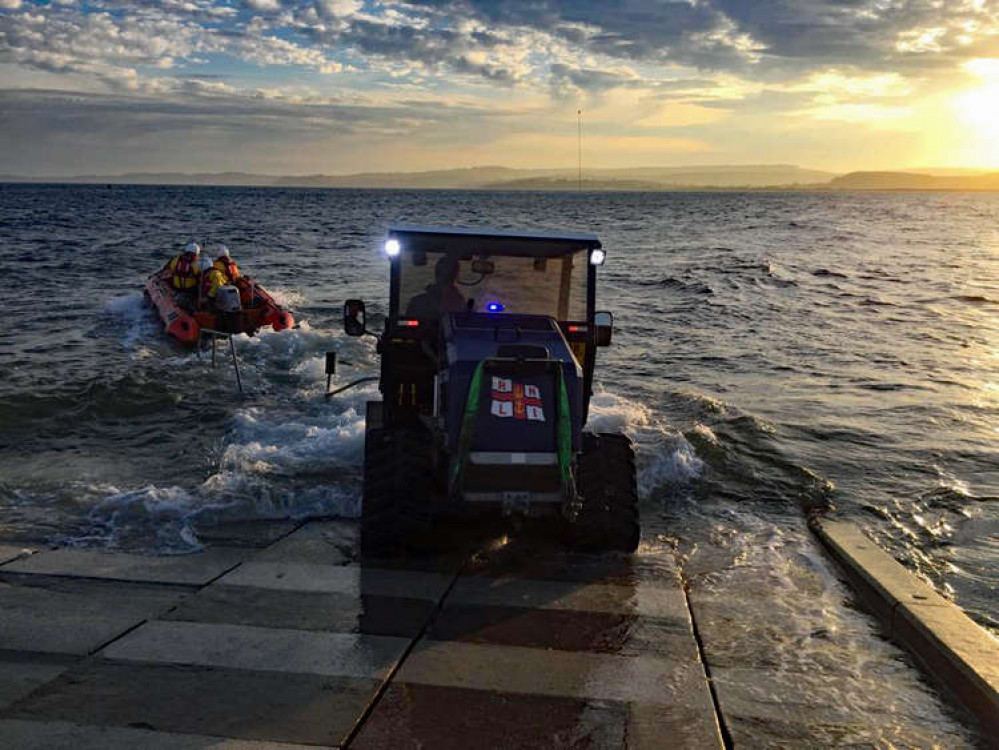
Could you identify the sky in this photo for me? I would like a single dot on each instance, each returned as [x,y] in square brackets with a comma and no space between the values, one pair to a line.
[339,86]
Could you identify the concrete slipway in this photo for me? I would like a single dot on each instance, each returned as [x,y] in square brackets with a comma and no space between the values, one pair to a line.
[277,637]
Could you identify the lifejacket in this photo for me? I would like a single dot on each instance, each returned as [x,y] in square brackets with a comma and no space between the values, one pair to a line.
[211,280]
[227,266]
[185,271]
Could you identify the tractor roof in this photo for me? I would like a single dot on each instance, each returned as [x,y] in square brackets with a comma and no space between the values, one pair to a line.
[491,241]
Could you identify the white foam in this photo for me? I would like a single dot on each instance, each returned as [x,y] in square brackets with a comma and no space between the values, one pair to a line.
[287,298]
[612,413]
[124,520]
[138,318]
[665,457]
[295,445]
[674,465]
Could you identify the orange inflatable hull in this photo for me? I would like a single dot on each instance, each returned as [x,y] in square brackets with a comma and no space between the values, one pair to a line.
[185,325]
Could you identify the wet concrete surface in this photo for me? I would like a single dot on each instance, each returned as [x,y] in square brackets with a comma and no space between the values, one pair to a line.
[283,639]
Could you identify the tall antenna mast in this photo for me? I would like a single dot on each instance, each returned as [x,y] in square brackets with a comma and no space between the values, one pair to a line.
[579,148]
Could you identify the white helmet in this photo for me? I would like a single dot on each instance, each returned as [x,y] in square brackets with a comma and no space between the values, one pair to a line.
[204,262]
[223,251]
[193,247]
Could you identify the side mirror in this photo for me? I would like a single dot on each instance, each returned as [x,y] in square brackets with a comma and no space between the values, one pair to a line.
[603,328]
[354,317]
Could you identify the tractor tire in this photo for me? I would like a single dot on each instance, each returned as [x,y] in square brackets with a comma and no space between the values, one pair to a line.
[398,479]
[606,482]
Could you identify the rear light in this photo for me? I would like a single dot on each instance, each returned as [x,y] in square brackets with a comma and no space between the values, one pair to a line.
[576,329]
[408,323]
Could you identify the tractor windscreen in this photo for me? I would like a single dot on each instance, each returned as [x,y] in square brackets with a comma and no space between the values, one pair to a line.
[434,283]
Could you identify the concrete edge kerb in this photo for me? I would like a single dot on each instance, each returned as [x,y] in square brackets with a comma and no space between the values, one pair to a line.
[955,651]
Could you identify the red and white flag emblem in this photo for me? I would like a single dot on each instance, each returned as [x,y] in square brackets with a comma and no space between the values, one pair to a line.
[517,400]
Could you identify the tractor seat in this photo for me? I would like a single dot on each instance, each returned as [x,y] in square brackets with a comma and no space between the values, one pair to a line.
[522,351]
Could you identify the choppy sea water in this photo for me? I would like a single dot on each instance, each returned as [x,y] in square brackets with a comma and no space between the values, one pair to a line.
[773,352]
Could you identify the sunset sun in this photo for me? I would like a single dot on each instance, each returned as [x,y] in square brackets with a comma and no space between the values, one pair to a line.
[978,110]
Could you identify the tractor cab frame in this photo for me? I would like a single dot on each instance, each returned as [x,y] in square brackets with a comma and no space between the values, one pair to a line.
[488,354]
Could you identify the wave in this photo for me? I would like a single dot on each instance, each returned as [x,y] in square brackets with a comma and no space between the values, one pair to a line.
[975,299]
[134,318]
[100,397]
[666,459]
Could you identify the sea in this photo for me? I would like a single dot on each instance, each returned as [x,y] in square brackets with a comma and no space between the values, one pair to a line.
[775,354]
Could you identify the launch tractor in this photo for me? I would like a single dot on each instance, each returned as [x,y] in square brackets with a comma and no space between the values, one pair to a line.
[487,360]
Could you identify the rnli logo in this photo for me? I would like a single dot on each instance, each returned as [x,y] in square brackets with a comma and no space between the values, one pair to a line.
[517,400]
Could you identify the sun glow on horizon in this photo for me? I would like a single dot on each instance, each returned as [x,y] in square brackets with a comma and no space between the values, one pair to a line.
[978,109]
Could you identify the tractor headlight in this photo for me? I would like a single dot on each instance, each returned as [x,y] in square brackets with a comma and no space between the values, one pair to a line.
[597,257]
[392,248]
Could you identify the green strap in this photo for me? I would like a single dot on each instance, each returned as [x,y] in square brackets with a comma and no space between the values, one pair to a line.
[468,423]
[563,435]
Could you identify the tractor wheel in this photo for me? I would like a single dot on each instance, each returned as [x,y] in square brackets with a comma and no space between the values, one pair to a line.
[606,483]
[398,478]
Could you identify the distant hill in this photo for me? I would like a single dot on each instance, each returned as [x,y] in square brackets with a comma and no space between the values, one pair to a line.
[162,178]
[471,177]
[487,177]
[741,176]
[562,183]
[915,181]
[947,171]
[506,178]
[724,177]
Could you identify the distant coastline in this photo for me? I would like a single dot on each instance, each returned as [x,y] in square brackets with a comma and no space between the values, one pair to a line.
[642,179]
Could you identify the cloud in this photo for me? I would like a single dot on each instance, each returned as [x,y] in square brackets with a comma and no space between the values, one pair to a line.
[338,8]
[344,66]
[263,6]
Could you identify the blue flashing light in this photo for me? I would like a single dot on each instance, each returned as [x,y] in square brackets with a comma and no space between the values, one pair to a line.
[495,307]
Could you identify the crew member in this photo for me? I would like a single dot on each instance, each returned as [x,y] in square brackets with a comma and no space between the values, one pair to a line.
[440,297]
[184,268]
[212,278]
[226,264]
[204,265]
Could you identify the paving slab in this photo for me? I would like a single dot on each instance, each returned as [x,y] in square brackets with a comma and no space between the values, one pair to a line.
[565,630]
[263,649]
[770,708]
[9,553]
[277,707]
[819,698]
[316,543]
[424,716]
[256,533]
[352,580]
[526,561]
[194,569]
[511,669]
[60,735]
[22,673]
[653,600]
[447,718]
[75,616]
[500,697]
[296,610]
[756,632]
[778,734]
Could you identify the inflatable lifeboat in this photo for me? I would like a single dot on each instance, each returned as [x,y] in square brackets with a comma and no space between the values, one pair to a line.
[257,309]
